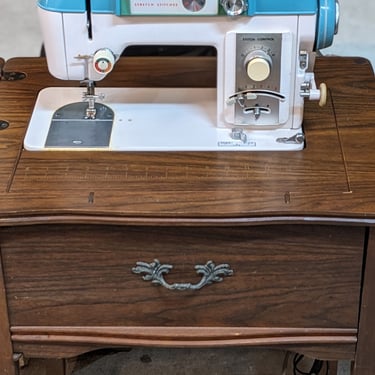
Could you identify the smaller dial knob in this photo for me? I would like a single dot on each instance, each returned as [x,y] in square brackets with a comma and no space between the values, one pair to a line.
[234,7]
[258,66]
[104,60]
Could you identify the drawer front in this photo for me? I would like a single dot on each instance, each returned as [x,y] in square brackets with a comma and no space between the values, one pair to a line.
[283,276]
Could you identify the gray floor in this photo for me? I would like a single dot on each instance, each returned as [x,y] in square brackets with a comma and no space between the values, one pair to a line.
[20,36]
[153,361]
[230,361]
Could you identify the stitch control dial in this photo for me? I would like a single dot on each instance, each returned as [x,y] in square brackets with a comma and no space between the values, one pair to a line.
[258,65]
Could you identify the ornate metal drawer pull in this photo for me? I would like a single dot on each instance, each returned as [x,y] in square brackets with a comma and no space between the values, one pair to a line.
[155,271]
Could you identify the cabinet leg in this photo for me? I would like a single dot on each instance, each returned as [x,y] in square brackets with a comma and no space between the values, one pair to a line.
[7,366]
[365,359]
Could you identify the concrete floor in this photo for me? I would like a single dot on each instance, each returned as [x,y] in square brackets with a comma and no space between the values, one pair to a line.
[153,361]
[142,361]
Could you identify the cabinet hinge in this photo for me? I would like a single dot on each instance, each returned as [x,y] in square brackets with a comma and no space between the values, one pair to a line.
[9,76]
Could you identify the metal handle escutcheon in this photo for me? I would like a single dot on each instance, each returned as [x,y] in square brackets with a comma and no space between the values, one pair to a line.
[155,271]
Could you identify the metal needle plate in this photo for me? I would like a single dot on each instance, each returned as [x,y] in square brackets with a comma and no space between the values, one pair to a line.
[70,129]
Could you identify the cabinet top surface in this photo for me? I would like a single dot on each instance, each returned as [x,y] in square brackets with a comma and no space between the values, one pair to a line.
[332,179]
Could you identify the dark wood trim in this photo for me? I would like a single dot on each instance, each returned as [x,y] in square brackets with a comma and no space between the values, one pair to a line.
[182,221]
[326,344]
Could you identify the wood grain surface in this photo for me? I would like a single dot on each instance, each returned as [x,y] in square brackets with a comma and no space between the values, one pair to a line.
[284,276]
[332,178]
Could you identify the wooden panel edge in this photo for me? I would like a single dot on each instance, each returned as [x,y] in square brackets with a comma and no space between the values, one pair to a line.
[67,342]
[182,336]
[32,219]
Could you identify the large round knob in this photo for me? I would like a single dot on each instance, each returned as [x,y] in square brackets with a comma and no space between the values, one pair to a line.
[258,66]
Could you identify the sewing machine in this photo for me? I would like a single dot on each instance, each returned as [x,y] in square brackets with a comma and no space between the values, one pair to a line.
[265,59]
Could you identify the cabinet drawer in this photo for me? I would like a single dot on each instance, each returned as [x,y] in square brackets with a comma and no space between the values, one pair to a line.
[283,276]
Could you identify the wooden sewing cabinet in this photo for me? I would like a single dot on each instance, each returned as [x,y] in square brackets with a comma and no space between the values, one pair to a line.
[290,234]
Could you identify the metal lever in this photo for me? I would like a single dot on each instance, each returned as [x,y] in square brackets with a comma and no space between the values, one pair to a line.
[256,110]
[210,273]
[253,94]
[309,90]
[298,138]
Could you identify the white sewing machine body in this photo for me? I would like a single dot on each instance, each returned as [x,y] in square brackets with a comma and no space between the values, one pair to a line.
[265,62]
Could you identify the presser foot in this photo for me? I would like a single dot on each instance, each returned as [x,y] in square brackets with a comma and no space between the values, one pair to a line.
[71,127]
